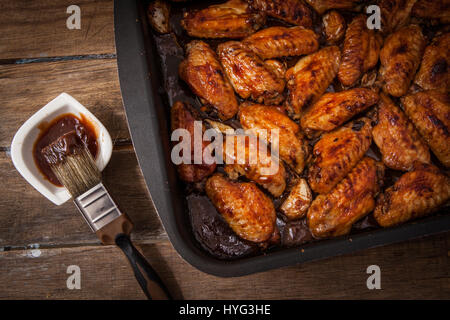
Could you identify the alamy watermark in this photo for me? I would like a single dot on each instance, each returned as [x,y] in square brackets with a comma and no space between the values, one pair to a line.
[374,20]
[374,280]
[74,280]
[74,20]
[234,147]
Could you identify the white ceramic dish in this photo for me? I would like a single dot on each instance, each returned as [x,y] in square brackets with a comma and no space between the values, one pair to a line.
[24,139]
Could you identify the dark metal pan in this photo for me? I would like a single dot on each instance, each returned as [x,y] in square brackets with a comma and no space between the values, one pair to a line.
[147,113]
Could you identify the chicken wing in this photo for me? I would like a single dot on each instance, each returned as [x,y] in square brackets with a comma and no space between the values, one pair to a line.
[334,214]
[400,57]
[183,118]
[416,194]
[298,201]
[432,9]
[310,77]
[203,73]
[399,142]
[335,108]
[355,46]
[395,14]
[158,12]
[292,11]
[261,119]
[360,51]
[278,67]
[434,70]
[337,152]
[249,75]
[248,156]
[324,5]
[246,209]
[373,51]
[333,27]
[277,42]
[430,113]
[231,19]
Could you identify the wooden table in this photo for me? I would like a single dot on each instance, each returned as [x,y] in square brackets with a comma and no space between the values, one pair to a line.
[39,59]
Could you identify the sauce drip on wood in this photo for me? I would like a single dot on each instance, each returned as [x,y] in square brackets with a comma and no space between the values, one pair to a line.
[58,127]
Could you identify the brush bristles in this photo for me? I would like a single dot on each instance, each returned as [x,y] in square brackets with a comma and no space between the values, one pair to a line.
[78,172]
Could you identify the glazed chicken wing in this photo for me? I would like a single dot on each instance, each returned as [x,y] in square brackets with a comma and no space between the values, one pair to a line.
[324,5]
[310,77]
[333,26]
[278,67]
[337,152]
[416,194]
[261,119]
[400,57]
[248,156]
[277,42]
[205,76]
[432,9]
[334,214]
[158,12]
[399,142]
[355,46]
[434,72]
[250,76]
[360,51]
[246,209]
[430,113]
[292,11]
[298,201]
[335,108]
[183,118]
[373,51]
[231,19]
[395,14]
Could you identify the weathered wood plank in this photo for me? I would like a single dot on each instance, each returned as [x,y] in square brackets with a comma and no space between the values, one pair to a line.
[43,274]
[26,217]
[26,88]
[36,29]
[410,270]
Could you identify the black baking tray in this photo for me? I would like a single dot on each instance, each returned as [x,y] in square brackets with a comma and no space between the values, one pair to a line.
[147,111]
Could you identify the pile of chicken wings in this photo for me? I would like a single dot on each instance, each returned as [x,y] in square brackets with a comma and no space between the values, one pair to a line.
[351,105]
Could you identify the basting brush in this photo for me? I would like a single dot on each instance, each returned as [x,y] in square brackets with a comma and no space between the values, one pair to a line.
[74,166]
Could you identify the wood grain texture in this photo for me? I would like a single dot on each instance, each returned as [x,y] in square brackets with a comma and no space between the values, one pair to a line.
[26,217]
[26,88]
[410,270]
[36,29]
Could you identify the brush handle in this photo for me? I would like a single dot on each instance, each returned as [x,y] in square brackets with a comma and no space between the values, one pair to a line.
[120,225]
[147,278]
[114,227]
[118,232]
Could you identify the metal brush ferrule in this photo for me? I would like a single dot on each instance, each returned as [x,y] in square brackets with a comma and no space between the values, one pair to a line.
[97,207]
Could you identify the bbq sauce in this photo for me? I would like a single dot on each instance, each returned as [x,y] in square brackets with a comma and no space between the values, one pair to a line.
[57,152]
[58,127]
